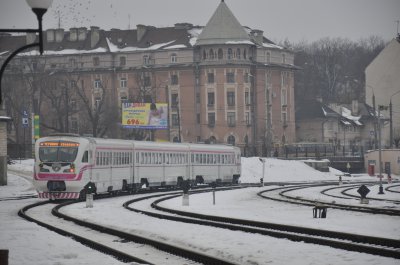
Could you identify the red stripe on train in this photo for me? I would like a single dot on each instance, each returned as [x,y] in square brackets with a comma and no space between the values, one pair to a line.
[58,195]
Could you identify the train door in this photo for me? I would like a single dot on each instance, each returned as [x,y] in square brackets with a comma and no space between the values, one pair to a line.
[188,167]
[91,160]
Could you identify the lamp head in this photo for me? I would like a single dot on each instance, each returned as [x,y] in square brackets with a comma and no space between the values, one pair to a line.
[41,4]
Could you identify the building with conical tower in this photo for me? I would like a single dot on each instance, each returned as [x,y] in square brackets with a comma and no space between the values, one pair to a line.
[223,83]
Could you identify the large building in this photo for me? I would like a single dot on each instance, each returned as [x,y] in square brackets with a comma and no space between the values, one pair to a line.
[223,83]
[382,88]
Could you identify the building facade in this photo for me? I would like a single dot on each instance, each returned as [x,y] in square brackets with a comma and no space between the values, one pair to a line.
[223,83]
[383,87]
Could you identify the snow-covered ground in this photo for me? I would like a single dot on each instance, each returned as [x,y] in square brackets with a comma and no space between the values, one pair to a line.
[29,243]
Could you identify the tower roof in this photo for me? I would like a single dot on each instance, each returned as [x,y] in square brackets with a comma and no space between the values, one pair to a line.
[223,27]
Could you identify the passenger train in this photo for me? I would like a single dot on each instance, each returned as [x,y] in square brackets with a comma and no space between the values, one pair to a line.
[65,164]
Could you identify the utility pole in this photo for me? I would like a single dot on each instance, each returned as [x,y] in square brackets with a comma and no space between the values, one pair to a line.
[391,124]
[375,125]
[380,107]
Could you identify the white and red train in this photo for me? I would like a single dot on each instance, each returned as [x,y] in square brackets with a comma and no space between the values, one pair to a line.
[64,164]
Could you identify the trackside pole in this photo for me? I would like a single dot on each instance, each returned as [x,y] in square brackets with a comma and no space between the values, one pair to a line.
[89,200]
[185,197]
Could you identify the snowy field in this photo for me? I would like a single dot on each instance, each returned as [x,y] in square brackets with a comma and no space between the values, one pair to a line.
[29,243]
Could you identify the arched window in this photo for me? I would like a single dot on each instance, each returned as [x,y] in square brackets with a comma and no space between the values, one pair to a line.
[211,54]
[244,54]
[238,53]
[283,58]
[213,140]
[220,54]
[204,54]
[231,140]
[230,55]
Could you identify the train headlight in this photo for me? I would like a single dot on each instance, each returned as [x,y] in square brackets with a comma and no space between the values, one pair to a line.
[41,165]
[71,169]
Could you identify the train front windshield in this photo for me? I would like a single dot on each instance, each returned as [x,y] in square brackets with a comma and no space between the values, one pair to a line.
[58,151]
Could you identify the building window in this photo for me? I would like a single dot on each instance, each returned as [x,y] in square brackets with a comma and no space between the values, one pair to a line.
[210,99]
[238,53]
[283,58]
[210,78]
[247,116]
[247,98]
[220,54]
[146,59]
[73,105]
[283,97]
[230,77]
[244,54]
[211,54]
[211,119]
[174,58]
[246,77]
[284,78]
[174,79]
[230,54]
[97,83]
[74,125]
[230,98]
[268,59]
[231,119]
[175,120]
[122,61]
[198,98]
[72,63]
[204,55]
[231,140]
[197,118]
[147,81]
[284,118]
[123,82]
[96,61]
[174,100]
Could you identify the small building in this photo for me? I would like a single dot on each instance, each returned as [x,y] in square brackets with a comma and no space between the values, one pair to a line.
[390,161]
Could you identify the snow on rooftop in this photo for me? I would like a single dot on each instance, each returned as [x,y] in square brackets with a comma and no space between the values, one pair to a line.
[347,114]
[194,33]
[63,52]
[270,45]
[114,48]
[240,42]
[178,46]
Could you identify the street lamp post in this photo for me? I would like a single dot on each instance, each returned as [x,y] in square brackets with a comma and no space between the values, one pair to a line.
[262,160]
[39,7]
[380,107]
[391,119]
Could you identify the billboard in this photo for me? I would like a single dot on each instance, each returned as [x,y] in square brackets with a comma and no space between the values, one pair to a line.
[145,115]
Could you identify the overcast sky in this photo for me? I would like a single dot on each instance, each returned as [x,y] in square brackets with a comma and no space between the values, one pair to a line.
[295,20]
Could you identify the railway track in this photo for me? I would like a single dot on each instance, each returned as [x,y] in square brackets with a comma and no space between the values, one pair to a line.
[365,244]
[114,242]
[281,194]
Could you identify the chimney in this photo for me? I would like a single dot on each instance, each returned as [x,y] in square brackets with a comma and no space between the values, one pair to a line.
[140,31]
[354,107]
[94,36]
[50,35]
[73,34]
[257,36]
[82,34]
[30,38]
[59,35]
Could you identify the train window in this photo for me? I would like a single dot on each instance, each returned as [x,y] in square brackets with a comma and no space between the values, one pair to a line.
[85,157]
